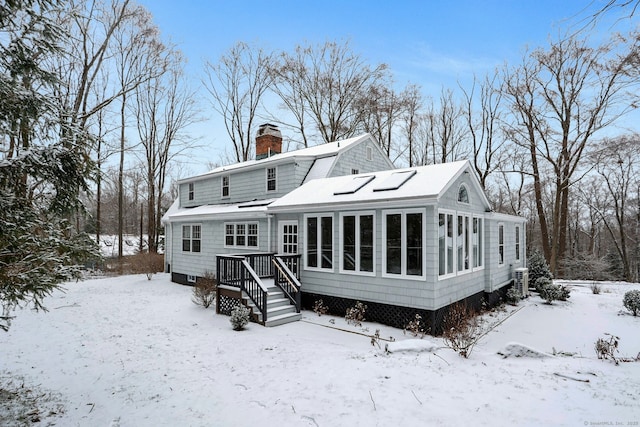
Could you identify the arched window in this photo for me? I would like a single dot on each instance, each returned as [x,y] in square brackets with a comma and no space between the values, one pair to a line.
[463,195]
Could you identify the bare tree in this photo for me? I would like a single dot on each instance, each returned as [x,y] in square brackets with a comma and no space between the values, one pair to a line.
[381,110]
[559,98]
[443,132]
[617,166]
[484,124]
[324,83]
[237,84]
[138,57]
[410,118]
[164,109]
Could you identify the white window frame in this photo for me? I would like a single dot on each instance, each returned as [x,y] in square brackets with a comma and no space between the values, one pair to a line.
[191,278]
[403,243]
[281,242]
[246,226]
[227,186]
[481,243]
[191,238]
[501,245]
[454,219]
[192,191]
[466,190]
[274,179]
[466,239]
[467,226]
[369,153]
[357,215]
[319,217]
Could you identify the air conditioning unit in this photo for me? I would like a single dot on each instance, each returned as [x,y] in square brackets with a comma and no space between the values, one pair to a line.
[521,281]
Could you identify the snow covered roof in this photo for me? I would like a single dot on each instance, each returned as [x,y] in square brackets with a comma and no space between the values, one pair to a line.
[330,149]
[424,182]
[244,210]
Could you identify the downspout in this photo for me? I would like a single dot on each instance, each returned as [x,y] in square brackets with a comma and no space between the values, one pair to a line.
[269,216]
[524,242]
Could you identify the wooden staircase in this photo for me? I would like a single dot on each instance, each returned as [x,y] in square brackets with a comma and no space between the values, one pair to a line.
[279,308]
[266,283]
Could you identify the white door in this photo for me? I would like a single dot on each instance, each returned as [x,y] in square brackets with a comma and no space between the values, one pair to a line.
[288,237]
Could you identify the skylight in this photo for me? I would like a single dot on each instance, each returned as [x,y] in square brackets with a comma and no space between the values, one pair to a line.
[354,185]
[255,203]
[395,181]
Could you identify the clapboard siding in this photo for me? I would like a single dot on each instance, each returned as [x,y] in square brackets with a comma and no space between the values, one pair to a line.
[212,244]
[356,158]
[395,291]
[465,284]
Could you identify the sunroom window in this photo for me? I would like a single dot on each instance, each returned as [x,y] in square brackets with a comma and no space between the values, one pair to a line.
[404,240]
[357,231]
[319,242]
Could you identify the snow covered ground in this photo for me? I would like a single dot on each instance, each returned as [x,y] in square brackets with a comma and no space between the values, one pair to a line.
[126,351]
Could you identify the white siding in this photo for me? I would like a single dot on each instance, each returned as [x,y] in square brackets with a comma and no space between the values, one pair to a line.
[212,244]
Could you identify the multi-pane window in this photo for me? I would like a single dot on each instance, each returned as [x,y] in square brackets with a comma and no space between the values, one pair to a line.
[501,244]
[271,179]
[355,171]
[289,236]
[517,243]
[191,191]
[241,235]
[404,239]
[477,242]
[357,242]
[225,186]
[191,238]
[445,243]
[319,242]
[462,242]
[464,233]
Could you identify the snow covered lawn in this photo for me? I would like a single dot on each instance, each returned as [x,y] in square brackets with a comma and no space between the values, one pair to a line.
[130,352]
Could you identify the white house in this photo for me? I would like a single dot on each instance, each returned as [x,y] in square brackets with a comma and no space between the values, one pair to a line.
[337,222]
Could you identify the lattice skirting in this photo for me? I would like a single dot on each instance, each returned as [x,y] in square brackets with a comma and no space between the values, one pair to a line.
[227,303]
[398,316]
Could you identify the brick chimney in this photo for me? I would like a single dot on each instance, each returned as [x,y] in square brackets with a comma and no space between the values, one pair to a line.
[268,141]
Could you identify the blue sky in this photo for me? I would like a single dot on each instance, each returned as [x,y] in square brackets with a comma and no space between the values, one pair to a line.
[431,43]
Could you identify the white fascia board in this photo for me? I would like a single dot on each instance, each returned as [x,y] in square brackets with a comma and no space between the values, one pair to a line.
[362,205]
[505,217]
[217,217]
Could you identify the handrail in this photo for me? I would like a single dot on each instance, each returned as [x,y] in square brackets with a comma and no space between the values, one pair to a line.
[293,291]
[254,275]
[287,274]
[235,274]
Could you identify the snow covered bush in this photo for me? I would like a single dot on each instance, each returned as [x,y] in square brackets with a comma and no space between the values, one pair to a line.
[631,301]
[552,292]
[147,263]
[513,296]
[461,329]
[319,308]
[606,348]
[355,314]
[204,292]
[538,268]
[540,283]
[239,317]
[595,288]
[416,327]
